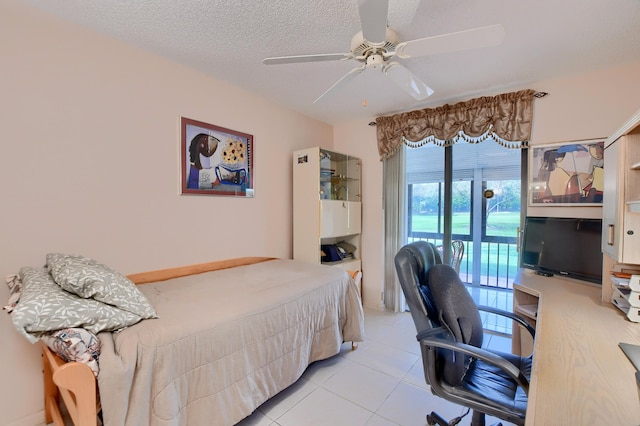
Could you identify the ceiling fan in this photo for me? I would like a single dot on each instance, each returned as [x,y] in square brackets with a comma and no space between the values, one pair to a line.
[377,46]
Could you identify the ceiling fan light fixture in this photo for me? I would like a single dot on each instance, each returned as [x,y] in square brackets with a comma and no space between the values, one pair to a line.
[375,61]
[360,47]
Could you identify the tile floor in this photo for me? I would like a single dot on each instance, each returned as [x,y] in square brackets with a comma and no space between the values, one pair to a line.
[379,384]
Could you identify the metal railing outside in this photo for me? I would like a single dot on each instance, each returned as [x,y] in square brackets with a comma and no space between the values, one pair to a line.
[499,255]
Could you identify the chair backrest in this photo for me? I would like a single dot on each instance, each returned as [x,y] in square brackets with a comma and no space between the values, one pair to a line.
[413,262]
[458,313]
[437,298]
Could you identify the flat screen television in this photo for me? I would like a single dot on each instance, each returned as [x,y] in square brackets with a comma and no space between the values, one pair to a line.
[563,246]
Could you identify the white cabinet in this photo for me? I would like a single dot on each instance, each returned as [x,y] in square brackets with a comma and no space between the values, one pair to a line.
[340,218]
[621,202]
[327,209]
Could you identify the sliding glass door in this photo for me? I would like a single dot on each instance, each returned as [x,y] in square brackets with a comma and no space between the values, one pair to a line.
[472,193]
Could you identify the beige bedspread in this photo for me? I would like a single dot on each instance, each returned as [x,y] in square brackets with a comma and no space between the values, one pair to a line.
[225,342]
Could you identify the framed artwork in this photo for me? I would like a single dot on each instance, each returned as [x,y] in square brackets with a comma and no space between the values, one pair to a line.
[567,173]
[215,160]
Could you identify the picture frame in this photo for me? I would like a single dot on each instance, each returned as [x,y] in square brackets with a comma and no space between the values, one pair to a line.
[567,173]
[215,160]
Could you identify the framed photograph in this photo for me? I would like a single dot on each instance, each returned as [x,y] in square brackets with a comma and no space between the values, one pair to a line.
[567,173]
[215,160]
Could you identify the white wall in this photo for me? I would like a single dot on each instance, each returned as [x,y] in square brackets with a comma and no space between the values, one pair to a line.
[89,164]
[359,139]
[591,105]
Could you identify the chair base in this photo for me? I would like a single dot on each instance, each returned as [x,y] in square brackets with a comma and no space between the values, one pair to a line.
[435,419]
[477,419]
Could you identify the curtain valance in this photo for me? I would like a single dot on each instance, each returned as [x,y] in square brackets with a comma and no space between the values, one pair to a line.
[506,118]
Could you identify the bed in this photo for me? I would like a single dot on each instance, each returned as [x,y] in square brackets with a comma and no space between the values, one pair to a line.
[228,336]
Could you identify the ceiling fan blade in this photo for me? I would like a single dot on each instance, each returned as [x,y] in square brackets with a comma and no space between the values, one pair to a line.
[373,18]
[407,81]
[452,42]
[307,58]
[344,80]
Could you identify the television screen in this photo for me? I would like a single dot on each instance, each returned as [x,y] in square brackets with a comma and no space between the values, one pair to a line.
[563,246]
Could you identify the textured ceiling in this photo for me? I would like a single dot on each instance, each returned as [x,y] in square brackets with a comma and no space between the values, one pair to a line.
[228,40]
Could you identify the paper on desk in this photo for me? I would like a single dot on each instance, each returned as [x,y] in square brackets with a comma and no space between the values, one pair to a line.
[621,282]
[621,303]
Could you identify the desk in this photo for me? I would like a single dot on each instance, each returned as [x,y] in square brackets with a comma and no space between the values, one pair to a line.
[580,376]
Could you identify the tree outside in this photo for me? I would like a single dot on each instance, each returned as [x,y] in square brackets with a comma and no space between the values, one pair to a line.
[499,259]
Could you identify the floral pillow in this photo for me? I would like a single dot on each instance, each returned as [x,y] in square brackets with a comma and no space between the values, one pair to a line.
[44,306]
[89,279]
[75,344]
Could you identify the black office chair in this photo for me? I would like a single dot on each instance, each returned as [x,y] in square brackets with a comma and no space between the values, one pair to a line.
[450,334]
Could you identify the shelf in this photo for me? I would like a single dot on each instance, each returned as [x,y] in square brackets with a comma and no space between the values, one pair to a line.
[338,262]
[530,311]
[635,166]
[634,206]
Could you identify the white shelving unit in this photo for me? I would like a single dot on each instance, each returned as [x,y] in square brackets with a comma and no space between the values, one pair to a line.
[327,206]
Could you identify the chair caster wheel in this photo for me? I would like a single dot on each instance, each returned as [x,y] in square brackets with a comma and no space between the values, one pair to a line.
[435,419]
[430,420]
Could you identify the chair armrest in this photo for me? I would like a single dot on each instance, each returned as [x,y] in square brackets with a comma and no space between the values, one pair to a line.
[519,319]
[429,338]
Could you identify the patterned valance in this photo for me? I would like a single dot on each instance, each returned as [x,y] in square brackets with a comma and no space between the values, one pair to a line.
[505,118]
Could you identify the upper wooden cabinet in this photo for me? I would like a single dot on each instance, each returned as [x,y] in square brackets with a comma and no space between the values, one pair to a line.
[327,206]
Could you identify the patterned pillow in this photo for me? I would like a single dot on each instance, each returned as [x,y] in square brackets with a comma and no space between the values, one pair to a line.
[90,279]
[45,306]
[75,344]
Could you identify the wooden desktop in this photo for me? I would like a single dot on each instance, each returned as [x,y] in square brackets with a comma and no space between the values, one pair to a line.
[580,376]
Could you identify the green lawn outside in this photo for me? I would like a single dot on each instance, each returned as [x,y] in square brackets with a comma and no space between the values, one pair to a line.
[494,256]
[501,224]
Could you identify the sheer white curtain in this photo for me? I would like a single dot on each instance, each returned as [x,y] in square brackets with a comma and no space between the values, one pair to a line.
[395,226]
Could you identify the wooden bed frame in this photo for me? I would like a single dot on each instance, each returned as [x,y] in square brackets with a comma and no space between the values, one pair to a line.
[75,383]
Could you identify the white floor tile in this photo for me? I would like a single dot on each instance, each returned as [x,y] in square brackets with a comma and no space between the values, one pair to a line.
[256,419]
[320,371]
[285,400]
[323,408]
[500,343]
[408,405]
[415,376]
[376,420]
[396,330]
[362,385]
[386,359]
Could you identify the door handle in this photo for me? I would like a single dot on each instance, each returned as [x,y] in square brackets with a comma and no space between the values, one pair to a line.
[610,237]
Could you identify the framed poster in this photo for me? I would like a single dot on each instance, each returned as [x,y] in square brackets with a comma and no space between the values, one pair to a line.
[215,160]
[567,173]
